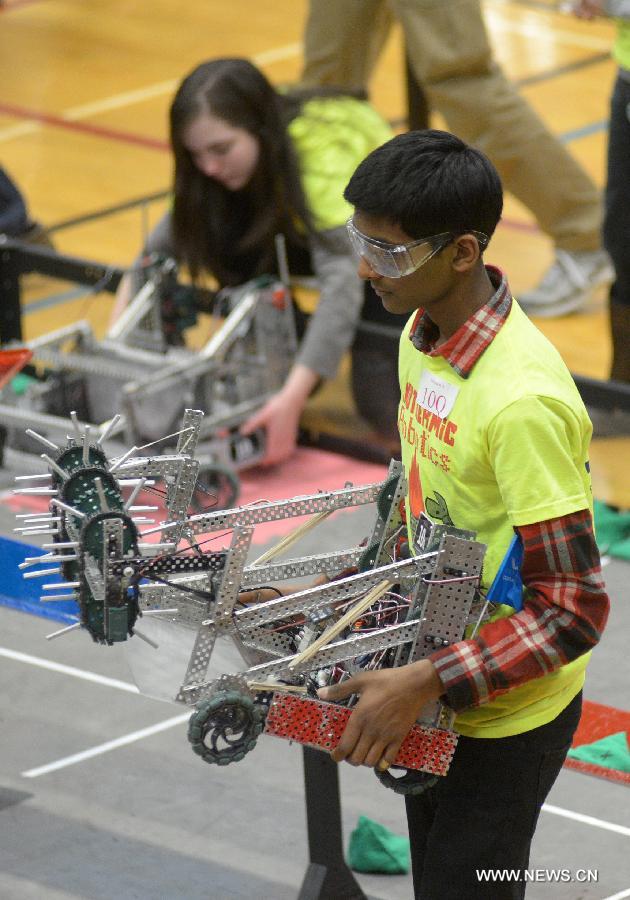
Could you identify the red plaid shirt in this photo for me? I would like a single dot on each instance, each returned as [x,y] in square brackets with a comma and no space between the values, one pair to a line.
[566,604]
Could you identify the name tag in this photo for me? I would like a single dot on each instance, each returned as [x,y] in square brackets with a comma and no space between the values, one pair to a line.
[435,395]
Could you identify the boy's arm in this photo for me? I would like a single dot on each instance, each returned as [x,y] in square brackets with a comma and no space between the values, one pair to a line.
[563,617]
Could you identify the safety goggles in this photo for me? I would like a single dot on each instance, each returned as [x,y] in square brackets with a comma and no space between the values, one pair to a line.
[398,260]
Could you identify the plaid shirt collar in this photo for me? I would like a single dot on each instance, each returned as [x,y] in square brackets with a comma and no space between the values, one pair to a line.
[463,349]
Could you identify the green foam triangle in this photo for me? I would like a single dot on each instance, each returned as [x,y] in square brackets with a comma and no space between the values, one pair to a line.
[611,752]
[374,848]
[612,528]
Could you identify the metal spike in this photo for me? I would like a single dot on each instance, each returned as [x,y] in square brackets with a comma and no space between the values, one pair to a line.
[57,634]
[107,430]
[47,492]
[69,509]
[121,459]
[142,520]
[86,446]
[134,494]
[143,508]
[38,477]
[75,425]
[42,440]
[55,597]
[41,574]
[29,561]
[100,490]
[157,612]
[41,530]
[61,545]
[37,524]
[127,482]
[53,465]
[161,527]
[35,515]
[46,558]
[170,546]
[54,557]
[143,637]
[61,585]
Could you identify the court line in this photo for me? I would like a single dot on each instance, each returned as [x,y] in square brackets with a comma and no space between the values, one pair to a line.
[68,670]
[169,723]
[71,119]
[16,4]
[542,30]
[620,896]
[586,820]
[585,131]
[106,747]
[559,71]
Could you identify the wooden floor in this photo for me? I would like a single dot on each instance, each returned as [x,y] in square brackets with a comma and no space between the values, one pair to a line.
[86,89]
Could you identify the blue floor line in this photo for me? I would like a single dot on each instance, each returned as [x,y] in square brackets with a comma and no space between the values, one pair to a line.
[585,131]
[23,593]
[54,300]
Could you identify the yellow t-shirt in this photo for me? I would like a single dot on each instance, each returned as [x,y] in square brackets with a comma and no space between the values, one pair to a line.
[513,450]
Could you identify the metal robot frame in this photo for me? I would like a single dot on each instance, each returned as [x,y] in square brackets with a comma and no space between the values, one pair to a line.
[384,609]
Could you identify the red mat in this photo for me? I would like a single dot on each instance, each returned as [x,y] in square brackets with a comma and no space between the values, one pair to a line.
[11,362]
[598,722]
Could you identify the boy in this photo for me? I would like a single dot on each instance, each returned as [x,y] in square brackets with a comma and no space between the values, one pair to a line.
[505,452]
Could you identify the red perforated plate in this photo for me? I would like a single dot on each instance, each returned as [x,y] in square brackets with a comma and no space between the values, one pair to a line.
[321,725]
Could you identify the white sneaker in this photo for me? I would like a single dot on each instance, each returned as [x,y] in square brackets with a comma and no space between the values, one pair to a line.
[568,283]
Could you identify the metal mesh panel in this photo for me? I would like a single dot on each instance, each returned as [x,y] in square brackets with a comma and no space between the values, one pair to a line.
[321,725]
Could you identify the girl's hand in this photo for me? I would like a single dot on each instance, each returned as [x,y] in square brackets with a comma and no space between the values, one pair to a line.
[280,421]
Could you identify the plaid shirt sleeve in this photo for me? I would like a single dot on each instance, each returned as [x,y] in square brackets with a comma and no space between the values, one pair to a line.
[564,613]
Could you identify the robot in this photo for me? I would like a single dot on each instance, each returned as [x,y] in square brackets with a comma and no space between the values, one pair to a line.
[197,622]
[142,370]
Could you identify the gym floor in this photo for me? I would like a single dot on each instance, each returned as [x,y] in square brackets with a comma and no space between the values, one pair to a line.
[100,795]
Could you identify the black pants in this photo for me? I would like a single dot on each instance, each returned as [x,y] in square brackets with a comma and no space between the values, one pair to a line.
[617,217]
[483,814]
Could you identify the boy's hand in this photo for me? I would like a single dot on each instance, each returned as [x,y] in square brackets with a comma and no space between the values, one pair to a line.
[391,700]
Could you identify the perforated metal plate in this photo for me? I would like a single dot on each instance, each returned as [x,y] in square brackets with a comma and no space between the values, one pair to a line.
[318,724]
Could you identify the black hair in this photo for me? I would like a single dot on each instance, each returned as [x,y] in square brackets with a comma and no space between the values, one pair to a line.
[231,233]
[428,182]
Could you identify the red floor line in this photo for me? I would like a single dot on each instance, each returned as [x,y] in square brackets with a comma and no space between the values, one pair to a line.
[126,137]
[9,7]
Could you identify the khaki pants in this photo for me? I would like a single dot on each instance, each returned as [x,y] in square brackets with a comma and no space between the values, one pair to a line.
[450,54]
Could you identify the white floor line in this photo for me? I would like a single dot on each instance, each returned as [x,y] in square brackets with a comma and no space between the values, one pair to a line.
[619,896]
[128,98]
[538,25]
[586,820]
[106,747]
[68,670]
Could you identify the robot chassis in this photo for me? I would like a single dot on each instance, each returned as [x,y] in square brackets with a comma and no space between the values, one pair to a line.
[251,666]
[134,370]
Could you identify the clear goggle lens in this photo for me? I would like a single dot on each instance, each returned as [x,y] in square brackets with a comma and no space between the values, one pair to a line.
[396,261]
